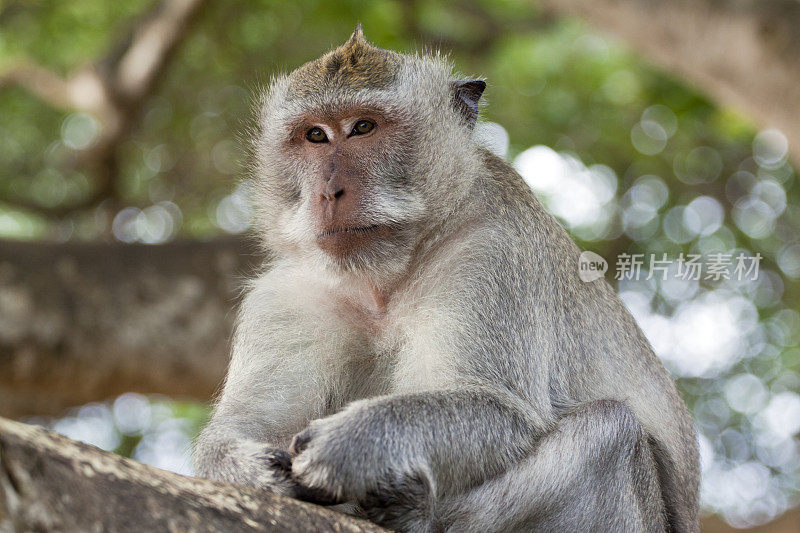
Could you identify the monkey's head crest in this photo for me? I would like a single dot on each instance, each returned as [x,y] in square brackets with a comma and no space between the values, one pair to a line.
[358,35]
[355,65]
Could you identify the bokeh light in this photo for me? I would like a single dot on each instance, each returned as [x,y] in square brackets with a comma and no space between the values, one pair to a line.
[628,158]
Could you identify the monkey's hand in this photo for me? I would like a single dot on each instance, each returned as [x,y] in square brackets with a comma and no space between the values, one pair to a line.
[352,456]
[248,462]
[271,470]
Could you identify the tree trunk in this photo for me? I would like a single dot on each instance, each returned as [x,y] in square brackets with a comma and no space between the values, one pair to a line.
[51,483]
[85,322]
[743,53]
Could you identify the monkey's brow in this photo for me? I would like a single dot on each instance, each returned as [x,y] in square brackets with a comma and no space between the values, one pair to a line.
[311,117]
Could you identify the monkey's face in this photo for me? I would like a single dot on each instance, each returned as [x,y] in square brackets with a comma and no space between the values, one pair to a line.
[337,183]
[354,186]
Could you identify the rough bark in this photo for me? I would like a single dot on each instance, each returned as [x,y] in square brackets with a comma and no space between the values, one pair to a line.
[51,483]
[743,53]
[84,322]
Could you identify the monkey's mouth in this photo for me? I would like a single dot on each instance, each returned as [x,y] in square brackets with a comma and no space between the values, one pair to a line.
[343,242]
[357,230]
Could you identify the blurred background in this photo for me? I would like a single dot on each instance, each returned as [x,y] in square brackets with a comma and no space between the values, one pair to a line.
[645,129]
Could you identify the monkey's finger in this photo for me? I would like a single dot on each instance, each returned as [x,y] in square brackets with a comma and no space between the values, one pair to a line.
[280,459]
[314,495]
[300,442]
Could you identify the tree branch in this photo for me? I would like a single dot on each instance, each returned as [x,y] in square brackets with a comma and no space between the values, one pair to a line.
[51,483]
[113,88]
[39,81]
[84,322]
[742,53]
[150,46]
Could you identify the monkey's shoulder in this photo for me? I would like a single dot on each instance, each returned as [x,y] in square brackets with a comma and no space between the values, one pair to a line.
[505,196]
[498,177]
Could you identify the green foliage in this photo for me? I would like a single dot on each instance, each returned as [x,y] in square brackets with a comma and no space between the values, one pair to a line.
[552,83]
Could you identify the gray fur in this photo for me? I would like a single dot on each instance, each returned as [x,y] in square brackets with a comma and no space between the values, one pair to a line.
[494,391]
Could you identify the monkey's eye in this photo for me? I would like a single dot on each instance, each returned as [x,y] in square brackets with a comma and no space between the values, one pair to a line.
[316,135]
[362,127]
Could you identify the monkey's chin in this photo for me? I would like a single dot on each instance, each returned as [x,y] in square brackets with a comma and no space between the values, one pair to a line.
[378,252]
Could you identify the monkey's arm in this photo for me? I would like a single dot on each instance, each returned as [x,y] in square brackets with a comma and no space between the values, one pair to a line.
[438,442]
[595,471]
[277,381]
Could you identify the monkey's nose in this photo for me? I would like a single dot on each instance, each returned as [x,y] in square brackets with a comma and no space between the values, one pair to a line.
[331,193]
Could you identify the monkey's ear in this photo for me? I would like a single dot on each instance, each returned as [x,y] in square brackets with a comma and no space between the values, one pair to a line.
[465,99]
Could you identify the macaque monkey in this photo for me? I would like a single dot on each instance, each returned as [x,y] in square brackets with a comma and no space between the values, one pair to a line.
[421,346]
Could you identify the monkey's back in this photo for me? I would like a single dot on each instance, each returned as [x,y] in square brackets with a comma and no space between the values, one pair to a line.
[576,335]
